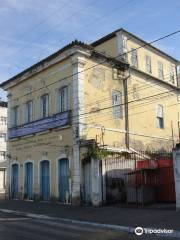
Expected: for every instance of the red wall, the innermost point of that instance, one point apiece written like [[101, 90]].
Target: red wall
[[162, 178]]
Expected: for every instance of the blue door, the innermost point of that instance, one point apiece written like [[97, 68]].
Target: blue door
[[63, 178], [45, 180], [14, 181], [29, 180]]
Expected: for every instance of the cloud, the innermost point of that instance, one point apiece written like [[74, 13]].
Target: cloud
[[34, 29]]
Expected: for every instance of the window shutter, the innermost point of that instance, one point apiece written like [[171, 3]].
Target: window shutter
[[15, 116], [40, 107], [59, 101], [63, 99], [172, 75], [148, 63], [30, 111], [134, 57], [26, 112], [124, 39], [47, 105], [116, 101], [12, 117], [159, 111], [160, 70]]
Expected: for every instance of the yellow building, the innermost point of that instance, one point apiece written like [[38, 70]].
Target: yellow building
[[153, 90], [80, 97]]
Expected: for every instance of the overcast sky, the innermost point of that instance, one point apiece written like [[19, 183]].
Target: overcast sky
[[33, 29]]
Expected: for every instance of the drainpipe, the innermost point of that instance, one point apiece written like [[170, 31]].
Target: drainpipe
[[126, 109], [177, 77]]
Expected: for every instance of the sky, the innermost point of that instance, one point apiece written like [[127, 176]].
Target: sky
[[33, 29]]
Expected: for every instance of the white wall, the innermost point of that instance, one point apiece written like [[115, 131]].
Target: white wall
[[3, 129]]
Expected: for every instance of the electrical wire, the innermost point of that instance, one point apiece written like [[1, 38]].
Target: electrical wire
[[93, 66]]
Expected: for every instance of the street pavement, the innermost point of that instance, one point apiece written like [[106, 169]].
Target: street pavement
[[13, 227], [21, 228], [144, 217], [33, 220]]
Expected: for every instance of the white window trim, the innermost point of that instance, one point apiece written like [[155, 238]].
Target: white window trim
[[134, 57], [148, 65], [26, 112], [59, 105], [120, 115], [13, 122], [47, 106], [161, 115]]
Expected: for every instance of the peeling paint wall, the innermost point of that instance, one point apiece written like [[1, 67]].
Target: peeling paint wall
[[99, 86], [143, 131]]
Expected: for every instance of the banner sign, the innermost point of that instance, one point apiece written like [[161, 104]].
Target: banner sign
[[57, 120]]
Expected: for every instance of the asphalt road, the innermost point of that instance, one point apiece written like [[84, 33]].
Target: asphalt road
[[13, 227]]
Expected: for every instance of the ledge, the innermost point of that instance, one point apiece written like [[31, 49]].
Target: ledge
[[40, 126]]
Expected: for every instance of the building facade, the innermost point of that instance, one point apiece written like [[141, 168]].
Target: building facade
[[3, 140], [153, 90], [81, 98]]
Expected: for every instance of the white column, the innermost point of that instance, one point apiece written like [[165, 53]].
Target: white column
[[96, 182], [78, 63], [176, 165]]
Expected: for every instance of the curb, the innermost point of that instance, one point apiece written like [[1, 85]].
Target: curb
[[175, 234]]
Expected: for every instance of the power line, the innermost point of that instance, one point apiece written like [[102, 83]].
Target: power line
[[107, 130], [110, 99], [105, 108], [133, 107], [69, 18], [131, 114], [42, 21], [101, 62], [60, 23], [141, 113], [142, 88]]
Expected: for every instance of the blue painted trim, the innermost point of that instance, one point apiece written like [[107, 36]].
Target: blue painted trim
[[57, 120]]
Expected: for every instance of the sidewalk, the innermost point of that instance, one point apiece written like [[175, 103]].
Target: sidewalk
[[152, 218]]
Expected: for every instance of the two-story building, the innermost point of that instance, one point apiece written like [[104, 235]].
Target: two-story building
[[48, 107], [153, 90], [119, 93], [3, 134]]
